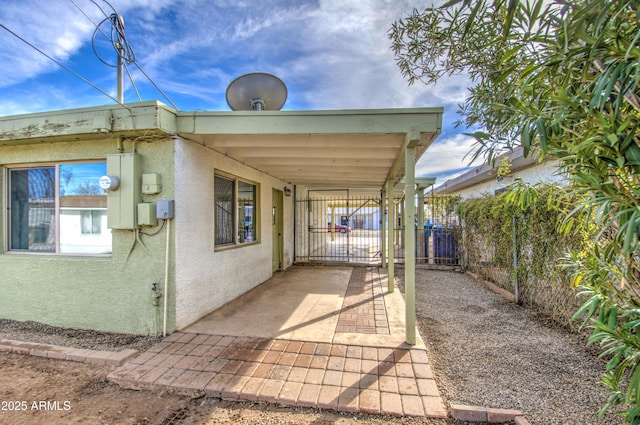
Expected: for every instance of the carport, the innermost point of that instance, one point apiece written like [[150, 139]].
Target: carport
[[362, 150]]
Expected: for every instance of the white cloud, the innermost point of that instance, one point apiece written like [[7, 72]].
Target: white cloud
[[445, 158], [57, 28], [45, 25], [349, 63], [331, 54]]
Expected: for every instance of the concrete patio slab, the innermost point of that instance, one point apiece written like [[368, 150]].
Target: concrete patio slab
[[298, 303], [305, 303], [291, 342]]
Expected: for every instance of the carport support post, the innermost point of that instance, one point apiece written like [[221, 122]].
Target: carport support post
[[410, 241], [390, 229], [420, 230], [383, 229]]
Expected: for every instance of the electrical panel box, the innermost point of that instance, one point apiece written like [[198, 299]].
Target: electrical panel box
[[151, 184], [122, 202], [147, 214], [165, 209]]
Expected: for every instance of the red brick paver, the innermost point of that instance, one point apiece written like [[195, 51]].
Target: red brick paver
[[363, 308], [298, 373]]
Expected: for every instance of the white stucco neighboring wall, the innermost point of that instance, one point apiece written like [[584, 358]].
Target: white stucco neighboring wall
[[206, 278], [544, 172]]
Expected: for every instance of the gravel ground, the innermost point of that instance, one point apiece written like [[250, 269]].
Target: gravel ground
[[487, 351], [78, 338], [484, 351]]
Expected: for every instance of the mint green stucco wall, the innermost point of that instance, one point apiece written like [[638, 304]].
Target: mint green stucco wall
[[102, 293]]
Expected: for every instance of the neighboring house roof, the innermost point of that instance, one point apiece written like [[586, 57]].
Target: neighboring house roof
[[339, 148], [486, 173]]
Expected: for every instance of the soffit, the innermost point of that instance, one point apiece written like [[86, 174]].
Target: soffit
[[318, 149], [352, 160]]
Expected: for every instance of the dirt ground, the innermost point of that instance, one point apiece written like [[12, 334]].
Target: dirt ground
[[484, 351], [38, 391]]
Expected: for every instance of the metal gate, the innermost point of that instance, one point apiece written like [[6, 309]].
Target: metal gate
[[437, 239], [332, 226]]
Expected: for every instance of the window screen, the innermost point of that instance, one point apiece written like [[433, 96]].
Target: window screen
[[235, 211], [224, 199]]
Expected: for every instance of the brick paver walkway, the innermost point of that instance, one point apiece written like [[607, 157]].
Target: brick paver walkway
[[363, 309], [350, 378]]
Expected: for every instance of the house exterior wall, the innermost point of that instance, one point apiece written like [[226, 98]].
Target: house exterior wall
[[207, 277], [546, 171], [109, 293]]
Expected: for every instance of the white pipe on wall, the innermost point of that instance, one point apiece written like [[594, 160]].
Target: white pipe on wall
[[166, 279]]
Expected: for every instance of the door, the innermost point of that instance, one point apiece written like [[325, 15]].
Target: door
[[276, 230]]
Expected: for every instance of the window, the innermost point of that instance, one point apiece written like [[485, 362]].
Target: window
[[58, 209], [235, 211]]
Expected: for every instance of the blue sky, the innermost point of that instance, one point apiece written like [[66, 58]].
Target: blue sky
[[332, 54]]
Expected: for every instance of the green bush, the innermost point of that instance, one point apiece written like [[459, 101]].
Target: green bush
[[541, 240]]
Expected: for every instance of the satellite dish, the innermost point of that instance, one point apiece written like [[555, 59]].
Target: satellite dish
[[256, 92]]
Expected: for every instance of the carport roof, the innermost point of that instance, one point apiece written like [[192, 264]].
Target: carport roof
[[319, 149]]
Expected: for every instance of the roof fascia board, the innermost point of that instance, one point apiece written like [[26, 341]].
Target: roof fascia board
[[87, 122], [354, 121]]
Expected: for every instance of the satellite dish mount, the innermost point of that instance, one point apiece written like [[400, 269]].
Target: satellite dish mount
[[257, 91], [258, 104]]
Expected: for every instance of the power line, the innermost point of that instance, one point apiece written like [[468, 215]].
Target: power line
[[89, 18], [66, 68], [126, 68], [121, 45], [155, 85], [103, 12]]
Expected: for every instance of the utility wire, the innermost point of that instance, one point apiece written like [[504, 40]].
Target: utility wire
[[66, 68], [156, 86], [103, 12], [99, 28], [133, 84], [89, 18], [121, 45], [119, 41]]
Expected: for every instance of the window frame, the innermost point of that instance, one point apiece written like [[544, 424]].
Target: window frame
[[6, 213], [236, 216]]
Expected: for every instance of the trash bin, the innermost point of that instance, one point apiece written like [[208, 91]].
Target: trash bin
[[445, 245], [427, 229]]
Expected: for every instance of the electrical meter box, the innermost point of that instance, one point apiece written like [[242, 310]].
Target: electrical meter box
[[122, 202]]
